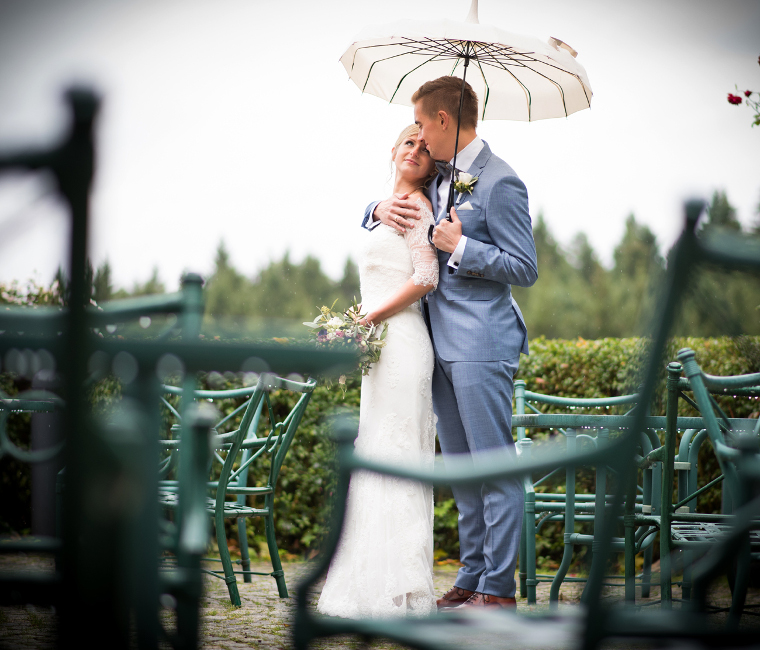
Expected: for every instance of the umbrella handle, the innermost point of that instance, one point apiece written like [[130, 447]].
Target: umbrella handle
[[450, 202]]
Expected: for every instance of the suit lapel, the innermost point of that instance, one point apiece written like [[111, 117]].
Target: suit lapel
[[476, 168], [480, 161]]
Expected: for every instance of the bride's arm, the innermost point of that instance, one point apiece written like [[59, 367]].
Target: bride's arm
[[425, 263], [408, 294]]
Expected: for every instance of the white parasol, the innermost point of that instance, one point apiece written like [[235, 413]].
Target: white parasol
[[515, 77]]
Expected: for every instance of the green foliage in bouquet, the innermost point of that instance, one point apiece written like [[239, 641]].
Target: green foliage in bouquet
[[341, 330]]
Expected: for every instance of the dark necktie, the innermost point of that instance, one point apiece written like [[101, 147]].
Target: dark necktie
[[442, 167]]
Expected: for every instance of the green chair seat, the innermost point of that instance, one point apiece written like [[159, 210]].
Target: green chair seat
[[231, 508]]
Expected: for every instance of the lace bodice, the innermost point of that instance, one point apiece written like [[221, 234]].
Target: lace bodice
[[390, 258]]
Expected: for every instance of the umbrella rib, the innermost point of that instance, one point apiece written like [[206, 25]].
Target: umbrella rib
[[442, 47], [365, 47], [406, 44], [540, 74], [524, 87], [488, 88], [550, 65], [557, 84], [388, 58], [527, 58], [407, 74]]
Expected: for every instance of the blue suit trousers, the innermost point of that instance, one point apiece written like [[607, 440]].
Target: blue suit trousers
[[473, 402]]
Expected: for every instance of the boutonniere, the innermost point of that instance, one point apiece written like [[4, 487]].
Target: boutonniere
[[464, 183]]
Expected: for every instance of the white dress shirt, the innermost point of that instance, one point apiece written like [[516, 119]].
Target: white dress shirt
[[465, 159]]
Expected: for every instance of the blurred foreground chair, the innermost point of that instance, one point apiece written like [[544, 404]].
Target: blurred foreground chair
[[106, 586], [255, 442], [588, 626], [682, 527]]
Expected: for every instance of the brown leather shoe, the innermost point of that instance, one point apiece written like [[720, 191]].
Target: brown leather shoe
[[487, 601], [454, 597]]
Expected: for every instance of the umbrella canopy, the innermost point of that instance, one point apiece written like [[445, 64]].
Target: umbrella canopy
[[515, 77]]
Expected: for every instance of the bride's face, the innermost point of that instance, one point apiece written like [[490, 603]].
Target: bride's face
[[412, 160]]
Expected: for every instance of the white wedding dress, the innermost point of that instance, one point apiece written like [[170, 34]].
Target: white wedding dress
[[383, 565]]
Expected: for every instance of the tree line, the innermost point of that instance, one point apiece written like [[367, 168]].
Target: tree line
[[575, 295]]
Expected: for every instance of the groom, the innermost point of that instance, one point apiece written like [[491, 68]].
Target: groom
[[476, 326]]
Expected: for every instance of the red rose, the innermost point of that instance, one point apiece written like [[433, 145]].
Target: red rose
[[734, 99], [747, 93]]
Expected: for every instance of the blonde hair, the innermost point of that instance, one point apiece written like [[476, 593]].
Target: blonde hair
[[411, 131]]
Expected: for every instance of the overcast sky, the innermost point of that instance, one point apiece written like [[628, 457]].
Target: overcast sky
[[233, 120]]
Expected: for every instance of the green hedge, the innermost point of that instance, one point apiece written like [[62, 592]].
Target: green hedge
[[570, 368], [574, 368]]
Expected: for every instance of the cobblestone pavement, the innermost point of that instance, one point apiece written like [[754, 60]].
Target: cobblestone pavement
[[263, 621]]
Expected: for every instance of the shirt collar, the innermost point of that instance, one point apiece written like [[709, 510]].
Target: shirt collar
[[467, 156]]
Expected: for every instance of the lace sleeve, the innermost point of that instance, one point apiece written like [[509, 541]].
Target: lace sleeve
[[424, 256]]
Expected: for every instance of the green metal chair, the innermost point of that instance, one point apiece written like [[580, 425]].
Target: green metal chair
[[255, 439], [681, 526], [641, 519], [572, 507]]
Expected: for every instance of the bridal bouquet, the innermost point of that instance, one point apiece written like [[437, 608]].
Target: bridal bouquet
[[341, 330]]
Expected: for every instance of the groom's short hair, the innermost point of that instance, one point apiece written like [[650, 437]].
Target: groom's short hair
[[443, 94]]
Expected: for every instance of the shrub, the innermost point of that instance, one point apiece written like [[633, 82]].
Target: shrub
[[570, 368]]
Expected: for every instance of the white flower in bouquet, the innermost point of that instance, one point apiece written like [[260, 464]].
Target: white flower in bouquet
[[339, 330]]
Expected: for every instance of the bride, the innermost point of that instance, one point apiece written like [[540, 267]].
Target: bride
[[383, 565]]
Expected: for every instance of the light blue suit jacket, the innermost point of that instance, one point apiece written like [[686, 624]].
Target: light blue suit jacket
[[472, 315]]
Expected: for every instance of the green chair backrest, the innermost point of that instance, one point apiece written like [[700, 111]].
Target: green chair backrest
[[718, 425], [245, 441]]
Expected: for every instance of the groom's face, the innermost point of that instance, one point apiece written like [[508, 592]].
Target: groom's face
[[433, 130]]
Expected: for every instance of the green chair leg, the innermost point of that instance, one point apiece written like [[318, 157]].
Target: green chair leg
[[245, 559], [567, 554], [630, 555], [529, 530], [688, 560], [740, 584], [521, 558], [528, 533], [229, 571], [646, 577], [278, 574]]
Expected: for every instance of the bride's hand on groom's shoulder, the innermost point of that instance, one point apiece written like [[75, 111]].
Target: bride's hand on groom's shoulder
[[398, 211]]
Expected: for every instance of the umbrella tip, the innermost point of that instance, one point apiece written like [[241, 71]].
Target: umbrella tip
[[557, 44], [472, 17]]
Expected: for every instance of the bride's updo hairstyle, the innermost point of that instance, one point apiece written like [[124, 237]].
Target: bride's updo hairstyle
[[411, 131]]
